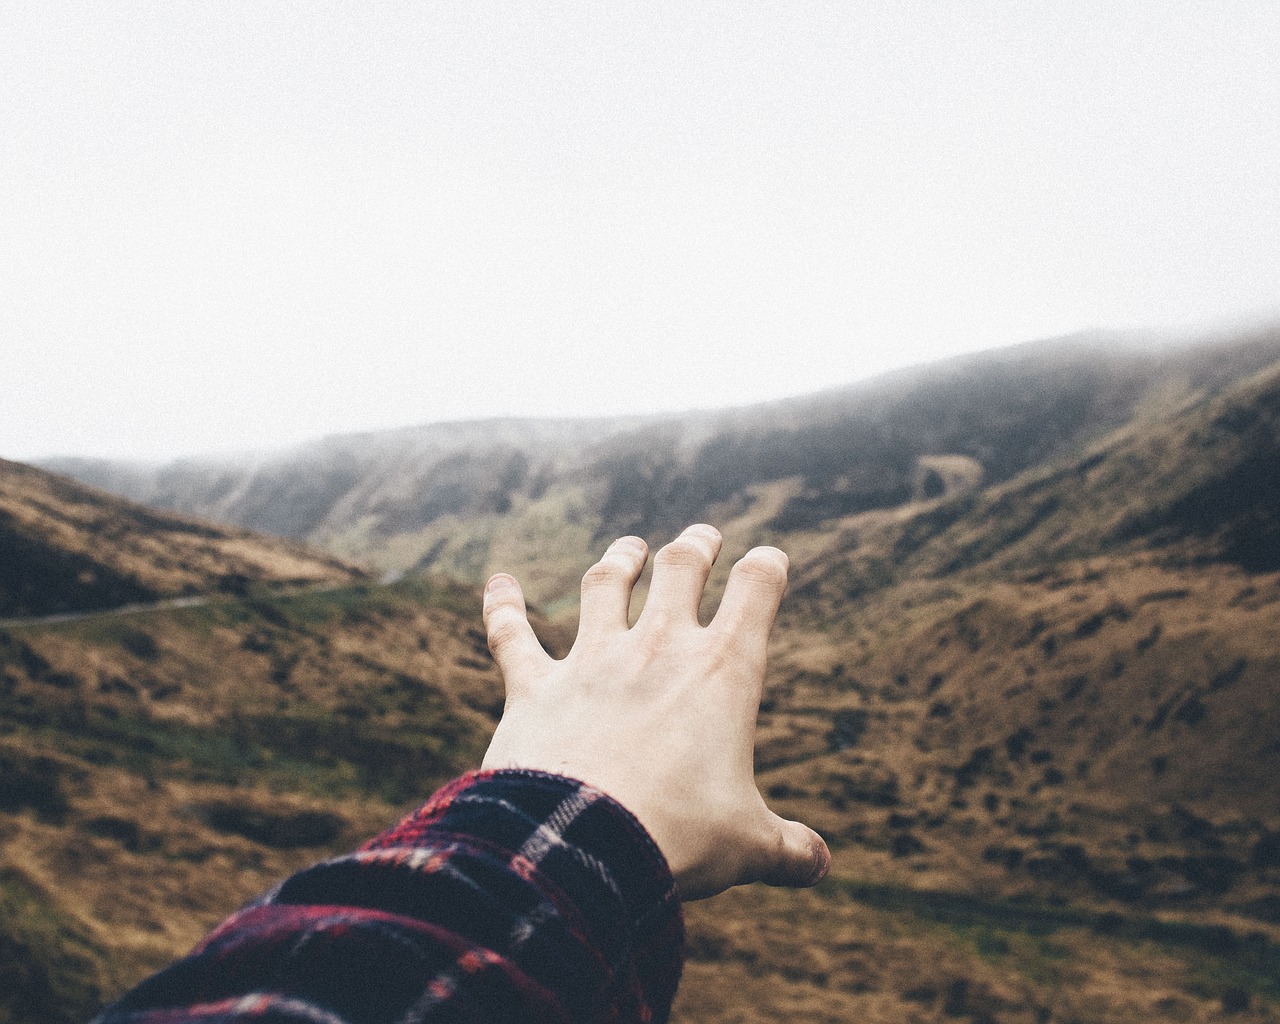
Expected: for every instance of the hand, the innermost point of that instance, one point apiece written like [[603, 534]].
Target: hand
[[661, 716]]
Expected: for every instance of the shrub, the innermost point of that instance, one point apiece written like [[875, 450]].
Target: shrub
[[121, 830], [1015, 744], [904, 844], [283, 830], [979, 761], [1229, 676], [1191, 711], [30, 781], [847, 728], [139, 643], [956, 1003], [1266, 851]]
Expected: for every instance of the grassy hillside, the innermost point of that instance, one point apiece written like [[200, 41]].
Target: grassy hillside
[[162, 767], [1036, 715], [66, 547], [157, 769], [1038, 726]]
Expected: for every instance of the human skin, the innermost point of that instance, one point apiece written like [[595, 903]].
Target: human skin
[[661, 715]]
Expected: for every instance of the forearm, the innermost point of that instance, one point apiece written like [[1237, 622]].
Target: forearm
[[507, 896]]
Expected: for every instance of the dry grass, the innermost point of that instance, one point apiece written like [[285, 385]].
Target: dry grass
[[1039, 739], [67, 547]]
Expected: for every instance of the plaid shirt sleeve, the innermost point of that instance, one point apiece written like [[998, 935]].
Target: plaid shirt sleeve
[[508, 896]]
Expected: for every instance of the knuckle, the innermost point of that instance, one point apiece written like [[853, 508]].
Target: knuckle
[[503, 634], [603, 573], [683, 553], [758, 567]]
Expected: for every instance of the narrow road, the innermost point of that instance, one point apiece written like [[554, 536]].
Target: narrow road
[[124, 609], [191, 601]]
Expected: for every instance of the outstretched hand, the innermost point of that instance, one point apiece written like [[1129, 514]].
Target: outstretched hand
[[660, 715]]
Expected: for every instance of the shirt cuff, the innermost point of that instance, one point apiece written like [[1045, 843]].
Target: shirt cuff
[[595, 871]]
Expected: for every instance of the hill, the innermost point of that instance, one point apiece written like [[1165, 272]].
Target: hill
[[66, 547], [538, 497], [112, 724], [161, 763], [1035, 715], [157, 768], [1049, 708], [1110, 619]]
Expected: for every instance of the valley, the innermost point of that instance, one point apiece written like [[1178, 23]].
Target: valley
[[1026, 682]]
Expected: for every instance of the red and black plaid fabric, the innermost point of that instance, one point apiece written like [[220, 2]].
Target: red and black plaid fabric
[[508, 896]]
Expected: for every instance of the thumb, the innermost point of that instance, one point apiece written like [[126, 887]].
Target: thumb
[[799, 858], [511, 638]]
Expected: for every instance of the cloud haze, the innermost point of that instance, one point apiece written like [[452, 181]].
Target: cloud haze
[[230, 225]]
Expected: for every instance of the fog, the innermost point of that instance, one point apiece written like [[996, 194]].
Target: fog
[[240, 225]]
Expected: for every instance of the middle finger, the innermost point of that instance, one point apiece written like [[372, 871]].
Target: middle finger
[[680, 571]]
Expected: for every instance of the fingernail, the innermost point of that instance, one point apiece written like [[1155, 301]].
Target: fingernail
[[634, 543], [499, 582], [821, 864]]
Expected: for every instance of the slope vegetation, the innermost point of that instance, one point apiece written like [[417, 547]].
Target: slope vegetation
[[66, 547], [1038, 725], [158, 768]]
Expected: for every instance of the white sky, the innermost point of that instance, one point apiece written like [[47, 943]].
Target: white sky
[[242, 224]]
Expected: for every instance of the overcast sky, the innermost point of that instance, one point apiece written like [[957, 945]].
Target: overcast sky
[[228, 225]]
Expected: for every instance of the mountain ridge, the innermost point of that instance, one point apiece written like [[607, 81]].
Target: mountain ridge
[[440, 496]]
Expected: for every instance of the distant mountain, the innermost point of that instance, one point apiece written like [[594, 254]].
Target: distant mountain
[[403, 478], [469, 498], [67, 547], [1198, 484]]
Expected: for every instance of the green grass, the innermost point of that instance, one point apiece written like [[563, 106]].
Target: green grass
[[1019, 934], [307, 748], [303, 608], [316, 754], [50, 971]]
